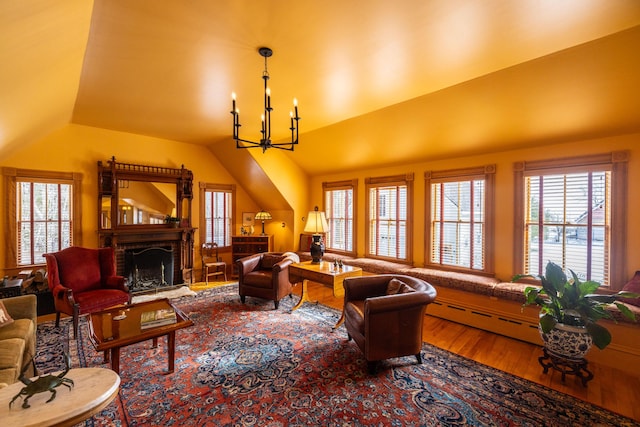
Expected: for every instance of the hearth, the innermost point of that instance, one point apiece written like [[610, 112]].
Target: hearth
[[148, 269]]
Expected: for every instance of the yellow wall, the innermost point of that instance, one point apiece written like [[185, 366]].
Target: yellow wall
[[78, 149], [504, 209]]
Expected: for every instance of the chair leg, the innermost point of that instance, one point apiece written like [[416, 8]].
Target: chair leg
[[242, 298], [57, 319], [371, 366], [419, 358], [276, 303], [76, 317]]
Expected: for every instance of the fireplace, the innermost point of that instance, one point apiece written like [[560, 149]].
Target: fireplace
[[173, 245], [148, 269]]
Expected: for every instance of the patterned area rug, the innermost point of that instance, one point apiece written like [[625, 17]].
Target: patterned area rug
[[250, 365]]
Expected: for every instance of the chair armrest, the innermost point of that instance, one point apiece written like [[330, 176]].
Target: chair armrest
[[117, 282], [396, 302], [22, 307], [248, 264], [361, 288], [61, 292], [282, 265]]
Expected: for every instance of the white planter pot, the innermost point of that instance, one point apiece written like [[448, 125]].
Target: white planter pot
[[572, 342]]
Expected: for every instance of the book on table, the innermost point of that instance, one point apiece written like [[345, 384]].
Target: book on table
[[161, 317]]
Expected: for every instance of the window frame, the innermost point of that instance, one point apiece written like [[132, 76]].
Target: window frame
[[343, 185], [11, 177], [386, 181], [485, 173], [223, 188], [617, 163]]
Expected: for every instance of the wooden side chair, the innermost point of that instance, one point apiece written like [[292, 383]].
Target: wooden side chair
[[212, 264]]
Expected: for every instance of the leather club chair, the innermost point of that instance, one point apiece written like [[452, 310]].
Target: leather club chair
[[83, 281], [264, 275], [384, 315]]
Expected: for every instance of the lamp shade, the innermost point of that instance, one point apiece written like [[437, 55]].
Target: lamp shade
[[262, 215], [316, 222]]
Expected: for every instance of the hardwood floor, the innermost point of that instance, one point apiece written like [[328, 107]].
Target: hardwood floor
[[610, 388]]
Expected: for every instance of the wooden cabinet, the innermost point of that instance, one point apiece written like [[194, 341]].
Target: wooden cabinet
[[242, 246]]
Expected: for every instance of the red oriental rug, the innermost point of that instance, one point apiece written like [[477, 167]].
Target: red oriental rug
[[250, 365]]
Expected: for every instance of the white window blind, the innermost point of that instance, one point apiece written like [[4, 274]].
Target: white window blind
[[44, 219], [340, 217], [388, 221], [457, 223], [568, 221], [218, 217]]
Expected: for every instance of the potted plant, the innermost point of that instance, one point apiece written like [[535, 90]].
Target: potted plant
[[172, 220], [570, 310]]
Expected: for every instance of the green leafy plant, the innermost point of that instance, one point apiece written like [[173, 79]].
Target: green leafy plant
[[574, 302], [169, 219]]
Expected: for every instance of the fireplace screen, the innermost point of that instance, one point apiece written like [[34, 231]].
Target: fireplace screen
[[148, 269]]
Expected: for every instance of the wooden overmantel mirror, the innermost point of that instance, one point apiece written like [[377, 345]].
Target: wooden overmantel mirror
[[132, 195], [142, 207]]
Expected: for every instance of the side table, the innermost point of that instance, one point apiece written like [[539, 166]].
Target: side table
[[12, 288], [93, 390]]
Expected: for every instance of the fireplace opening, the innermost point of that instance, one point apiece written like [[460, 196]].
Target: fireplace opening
[[148, 269]]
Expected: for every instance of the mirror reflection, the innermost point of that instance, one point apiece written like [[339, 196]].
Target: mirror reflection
[[142, 202]]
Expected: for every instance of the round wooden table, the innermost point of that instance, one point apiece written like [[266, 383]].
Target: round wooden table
[[93, 390]]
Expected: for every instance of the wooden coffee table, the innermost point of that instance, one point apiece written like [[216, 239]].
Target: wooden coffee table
[[93, 390], [109, 334], [323, 273]]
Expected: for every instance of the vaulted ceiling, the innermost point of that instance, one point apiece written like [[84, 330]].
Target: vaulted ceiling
[[435, 78]]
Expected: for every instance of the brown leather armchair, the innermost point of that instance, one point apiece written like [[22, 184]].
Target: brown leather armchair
[[384, 315], [264, 275], [83, 280]]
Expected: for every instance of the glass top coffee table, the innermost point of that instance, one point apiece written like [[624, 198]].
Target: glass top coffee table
[[119, 327]]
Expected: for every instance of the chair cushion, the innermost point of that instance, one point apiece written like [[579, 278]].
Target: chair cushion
[[258, 279], [11, 352], [394, 285], [269, 260], [5, 317], [99, 299], [633, 285], [21, 328]]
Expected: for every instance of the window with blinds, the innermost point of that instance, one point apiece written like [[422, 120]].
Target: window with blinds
[[574, 213], [44, 219], [217, 209], [389, 225], [457, 207], [340, 213], [568, 221], [457, 223]]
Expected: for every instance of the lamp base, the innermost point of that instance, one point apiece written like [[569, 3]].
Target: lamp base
[[316, 249]]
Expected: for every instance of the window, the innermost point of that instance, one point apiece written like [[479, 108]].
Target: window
[[569, 208], [389, 203], [217, 208], [460, 230], [43, 213], [340, 209]]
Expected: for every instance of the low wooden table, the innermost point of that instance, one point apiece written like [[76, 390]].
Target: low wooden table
[[323, 273], [109, 334], [93, 390]]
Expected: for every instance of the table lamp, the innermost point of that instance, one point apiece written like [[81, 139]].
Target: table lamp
[[316, 224], [262, 216]]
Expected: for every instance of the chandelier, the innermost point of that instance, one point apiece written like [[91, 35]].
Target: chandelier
[[265, 139]]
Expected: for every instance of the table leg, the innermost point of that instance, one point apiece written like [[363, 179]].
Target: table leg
[[304, 296], [171, 349], [154, 342], [115, 360], [340, 321]]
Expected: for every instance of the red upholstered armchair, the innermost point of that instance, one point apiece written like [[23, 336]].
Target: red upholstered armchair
[[264, 275], [384, 315], [83, 280]]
